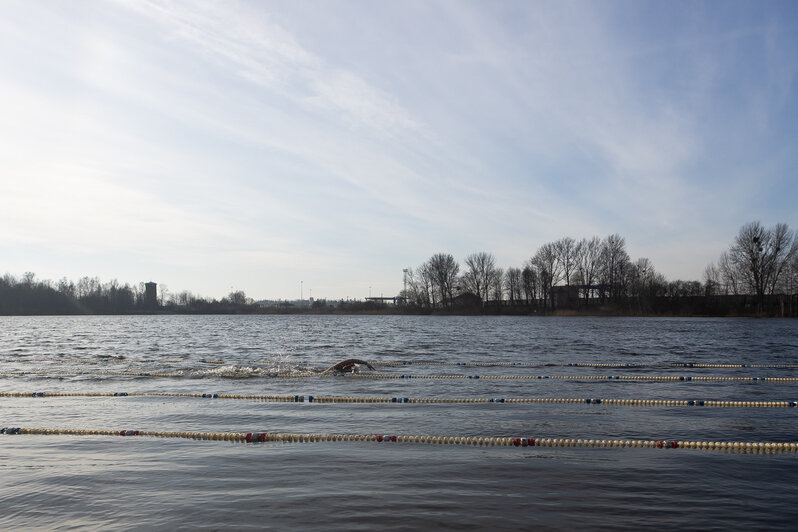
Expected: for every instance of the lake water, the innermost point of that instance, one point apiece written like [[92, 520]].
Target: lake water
[[123, 483]]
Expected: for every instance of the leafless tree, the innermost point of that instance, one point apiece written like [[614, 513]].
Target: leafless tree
[[186, 298], [479, 269], [163, 295], [513, 284], [548, 269], [238, 297], [792, 276], [587, 264], [567, 252], [419, 286], [66, 287], [444, 270], [730, 276], [614, 266], [712, 282], [760, 257], [529, 279], [496, 286], [642, 273]]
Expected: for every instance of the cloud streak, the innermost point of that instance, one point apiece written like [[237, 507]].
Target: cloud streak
[[340, 143]]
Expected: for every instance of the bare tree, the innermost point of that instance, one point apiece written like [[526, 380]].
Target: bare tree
[[792, 277], [730, 275], [163, 295], [567, 252], [479, 269], [548, 269], [66, 287], [496, 292], [529, 279], [513, 284], [444, 270], [238, 297], [419, 286], [587, 264], [642, 274], [614, 266], [761, 255], [711, 280], [427, 285]]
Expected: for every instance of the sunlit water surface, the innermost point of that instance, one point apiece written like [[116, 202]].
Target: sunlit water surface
[[73, 482]]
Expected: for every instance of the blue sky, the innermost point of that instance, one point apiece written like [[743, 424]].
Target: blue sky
[[259, 145]]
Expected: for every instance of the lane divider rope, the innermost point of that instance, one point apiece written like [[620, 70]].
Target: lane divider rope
[[262, 437], [577, 364], [486, 364], [656, 378], [424, 400]]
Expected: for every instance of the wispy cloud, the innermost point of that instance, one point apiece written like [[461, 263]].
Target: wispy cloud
[[272, 140]]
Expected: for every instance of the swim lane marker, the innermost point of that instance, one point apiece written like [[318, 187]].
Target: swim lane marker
[[263, 437], [422, 400]]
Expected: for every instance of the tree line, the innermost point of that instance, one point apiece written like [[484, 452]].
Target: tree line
[[761, 262], [758, 273], [595, 272], [28, 295]]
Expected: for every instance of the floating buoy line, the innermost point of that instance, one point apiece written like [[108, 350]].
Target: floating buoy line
[[256, 437], [263, 437], [287, 398], [400, 363], [656, 378]]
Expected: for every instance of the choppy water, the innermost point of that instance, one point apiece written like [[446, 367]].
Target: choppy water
[[73, 482]]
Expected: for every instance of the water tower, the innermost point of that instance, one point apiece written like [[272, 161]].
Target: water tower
[[151, 295]]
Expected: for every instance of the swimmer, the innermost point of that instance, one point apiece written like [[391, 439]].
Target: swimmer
[[348, 365]]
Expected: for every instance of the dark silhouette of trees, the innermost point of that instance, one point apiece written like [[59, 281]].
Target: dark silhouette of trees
[[27, 296], [497, 285], [759, 262], [480, 268], [588, 265], [529, 283], [615, 264], [567, 253], [547, 265], [419, 287], [513, 281], [757, 274], [443, 270]]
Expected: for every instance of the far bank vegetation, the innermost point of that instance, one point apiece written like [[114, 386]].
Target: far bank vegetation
[[757, 275]]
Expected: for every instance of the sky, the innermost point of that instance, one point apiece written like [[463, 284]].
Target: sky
[[306, 148]]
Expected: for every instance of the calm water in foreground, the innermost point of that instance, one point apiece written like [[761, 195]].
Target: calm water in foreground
[[115, 483]]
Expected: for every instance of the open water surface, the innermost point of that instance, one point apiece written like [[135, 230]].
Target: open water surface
[[122, 483]]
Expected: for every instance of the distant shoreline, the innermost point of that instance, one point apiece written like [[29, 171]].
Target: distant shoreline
[[557, 313]]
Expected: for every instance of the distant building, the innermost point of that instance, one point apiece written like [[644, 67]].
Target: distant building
[[565, 296], [151, 295]]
